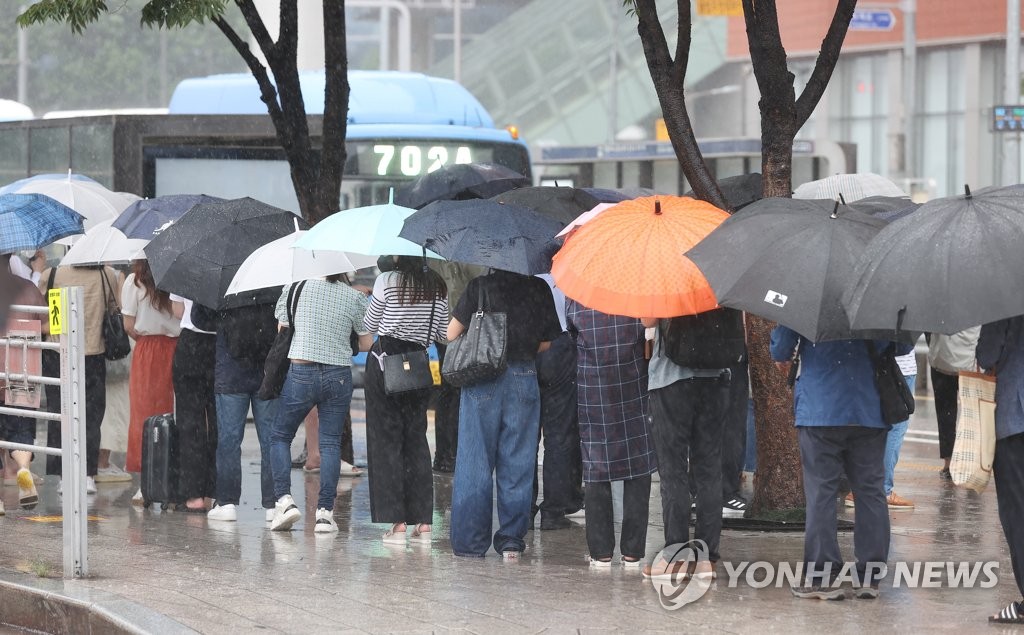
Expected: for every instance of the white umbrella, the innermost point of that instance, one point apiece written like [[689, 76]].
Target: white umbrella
[[852, 187], [104, 244], [583, 219], [278, 263], [90, 199]]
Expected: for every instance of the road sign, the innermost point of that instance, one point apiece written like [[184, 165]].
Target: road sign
[[55, 298], [872, 20], [1008, 118]]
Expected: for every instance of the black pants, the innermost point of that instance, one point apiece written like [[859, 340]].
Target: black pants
[[946, 389], [398, 456], [446, 421], [560, 426], [1008, 470], [687, 417], [734, 434], [95, 408], [636, 496], [195, 413], [826, 452]]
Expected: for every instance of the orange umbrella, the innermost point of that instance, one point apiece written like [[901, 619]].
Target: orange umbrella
[[629, 260]]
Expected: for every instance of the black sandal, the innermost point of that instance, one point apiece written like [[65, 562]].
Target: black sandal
[[1009, 615]]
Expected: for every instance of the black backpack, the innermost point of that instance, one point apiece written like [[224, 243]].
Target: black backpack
[[713, 339], [249, 331]]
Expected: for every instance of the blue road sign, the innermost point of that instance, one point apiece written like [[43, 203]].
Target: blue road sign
[[872, 20]]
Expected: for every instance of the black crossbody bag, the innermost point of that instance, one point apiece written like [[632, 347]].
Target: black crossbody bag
[[405, 372], [275, 369]]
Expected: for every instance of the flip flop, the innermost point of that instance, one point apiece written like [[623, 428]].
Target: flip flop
[[1009, 615], [350, 471]]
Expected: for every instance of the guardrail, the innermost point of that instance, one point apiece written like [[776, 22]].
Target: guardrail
[[71, 417]]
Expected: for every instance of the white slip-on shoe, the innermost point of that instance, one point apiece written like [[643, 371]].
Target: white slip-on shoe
[[324, 521], [286, 514], [112, 474], [227, 513], [270, 515], [90, 485]]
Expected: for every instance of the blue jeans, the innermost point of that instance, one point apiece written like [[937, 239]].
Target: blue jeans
[[329, 388], [499, 422], [232, 409], [894, 441]]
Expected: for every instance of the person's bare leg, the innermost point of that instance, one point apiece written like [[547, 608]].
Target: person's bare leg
[[104, 459], [21, 460], [10, 465], [312, 424]]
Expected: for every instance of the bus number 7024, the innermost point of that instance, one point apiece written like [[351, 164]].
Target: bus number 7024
[[410, 158]]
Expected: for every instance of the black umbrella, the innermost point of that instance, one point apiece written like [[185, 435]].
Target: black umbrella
[[563, 204], [460, 181], [486, 233], [148, 217], [787, 260], [739, 191], [954, 263], [197, 256], [888, 208], [617, 195]]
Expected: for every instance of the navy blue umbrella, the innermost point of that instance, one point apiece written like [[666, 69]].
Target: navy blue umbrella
[[487, 233], [147, 217], [460, 181], [31, 221]]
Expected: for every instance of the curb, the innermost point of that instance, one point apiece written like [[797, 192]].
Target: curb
[[59, 606]]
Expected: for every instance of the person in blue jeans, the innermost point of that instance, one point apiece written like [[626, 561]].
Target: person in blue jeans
[[325, 312], [499, 419]]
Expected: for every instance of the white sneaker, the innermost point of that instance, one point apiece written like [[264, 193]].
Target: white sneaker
[[286, 514], [112, 474], [226, 513], [270, 515], [325, 521], [2, 511], [90, 485]]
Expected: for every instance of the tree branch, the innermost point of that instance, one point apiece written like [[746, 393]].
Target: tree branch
[[268, 94], [655, 45], [828, 56], [683, 37], [288, 33], [258, 28], [335, 121]]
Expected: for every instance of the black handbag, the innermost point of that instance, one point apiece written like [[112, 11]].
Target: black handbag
[[478, 355], [405, 372], [275, 369], [115, 338], [893, 393]]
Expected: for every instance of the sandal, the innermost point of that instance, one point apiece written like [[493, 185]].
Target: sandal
[[419, 536], [350, 471], [1009, 615], [392, 537]]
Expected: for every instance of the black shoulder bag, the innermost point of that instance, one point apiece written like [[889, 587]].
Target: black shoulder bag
[[275, 369], [479, 354], [115, 338], [893, 393], [405, 372]]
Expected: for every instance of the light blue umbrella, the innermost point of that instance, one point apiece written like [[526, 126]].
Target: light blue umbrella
[[371, 230], [12, 188], [31, 221]]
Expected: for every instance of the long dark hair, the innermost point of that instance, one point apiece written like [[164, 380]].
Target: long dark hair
[[161, 300], [418, 283]]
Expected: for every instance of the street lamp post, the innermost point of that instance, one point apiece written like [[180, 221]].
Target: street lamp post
[[1011, 92]]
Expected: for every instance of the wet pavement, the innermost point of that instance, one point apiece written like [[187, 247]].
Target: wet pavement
[[217, 577]]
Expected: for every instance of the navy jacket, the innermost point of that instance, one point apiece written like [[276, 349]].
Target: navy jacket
[[1001, 348]]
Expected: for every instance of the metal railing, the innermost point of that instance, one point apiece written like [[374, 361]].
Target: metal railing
[[71, 417]]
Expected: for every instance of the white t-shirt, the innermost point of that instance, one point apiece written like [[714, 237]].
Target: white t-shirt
[[148, 319], [186, 318]]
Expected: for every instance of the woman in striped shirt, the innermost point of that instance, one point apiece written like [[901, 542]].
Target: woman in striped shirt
[[408, 310]]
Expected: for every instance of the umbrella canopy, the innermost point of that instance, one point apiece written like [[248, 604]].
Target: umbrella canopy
[[563, 204], [90, 199], [461, 181], [851, 187], [788, 260], [145, 218], [103, 244], [372, 230], [31, 221], [618, 195], [487, 233], [10, 188], [739, 191], [629, 260], [584, 218], [888, 208], [952, 264], [198, 256], [278, 263]]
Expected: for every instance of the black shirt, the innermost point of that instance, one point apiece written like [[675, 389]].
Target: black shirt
[[527, 303]]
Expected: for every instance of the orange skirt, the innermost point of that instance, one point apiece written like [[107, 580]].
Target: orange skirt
[[150, 389]]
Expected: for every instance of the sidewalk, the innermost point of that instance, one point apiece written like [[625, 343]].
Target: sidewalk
[[239, 577]]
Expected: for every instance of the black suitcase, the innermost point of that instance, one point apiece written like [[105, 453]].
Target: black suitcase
[[159, 461]]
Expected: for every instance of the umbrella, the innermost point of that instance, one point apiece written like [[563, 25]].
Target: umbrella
[[584, 218], [852, 187], [629, 260], [103, 244], [613, 195], [563, 204], [11, 188], [198, 256], [372, 230], [739, 191], [487, 233], [145, 218], [278, 263], [31, 221], [461, 181], [787, 260], [952, 264], [90, 199]]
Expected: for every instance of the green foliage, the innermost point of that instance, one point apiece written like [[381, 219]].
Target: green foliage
[[77, 14], [630, 6], [180, 13]]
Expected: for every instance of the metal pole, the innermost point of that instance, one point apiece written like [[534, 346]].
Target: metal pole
[[457, 38], [73, 463], [385, 38], [613, 76], [1011, 92], [22, 62], [909, 88]]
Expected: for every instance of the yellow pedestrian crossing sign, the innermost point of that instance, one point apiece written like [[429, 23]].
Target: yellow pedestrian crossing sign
[[56, 302]]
